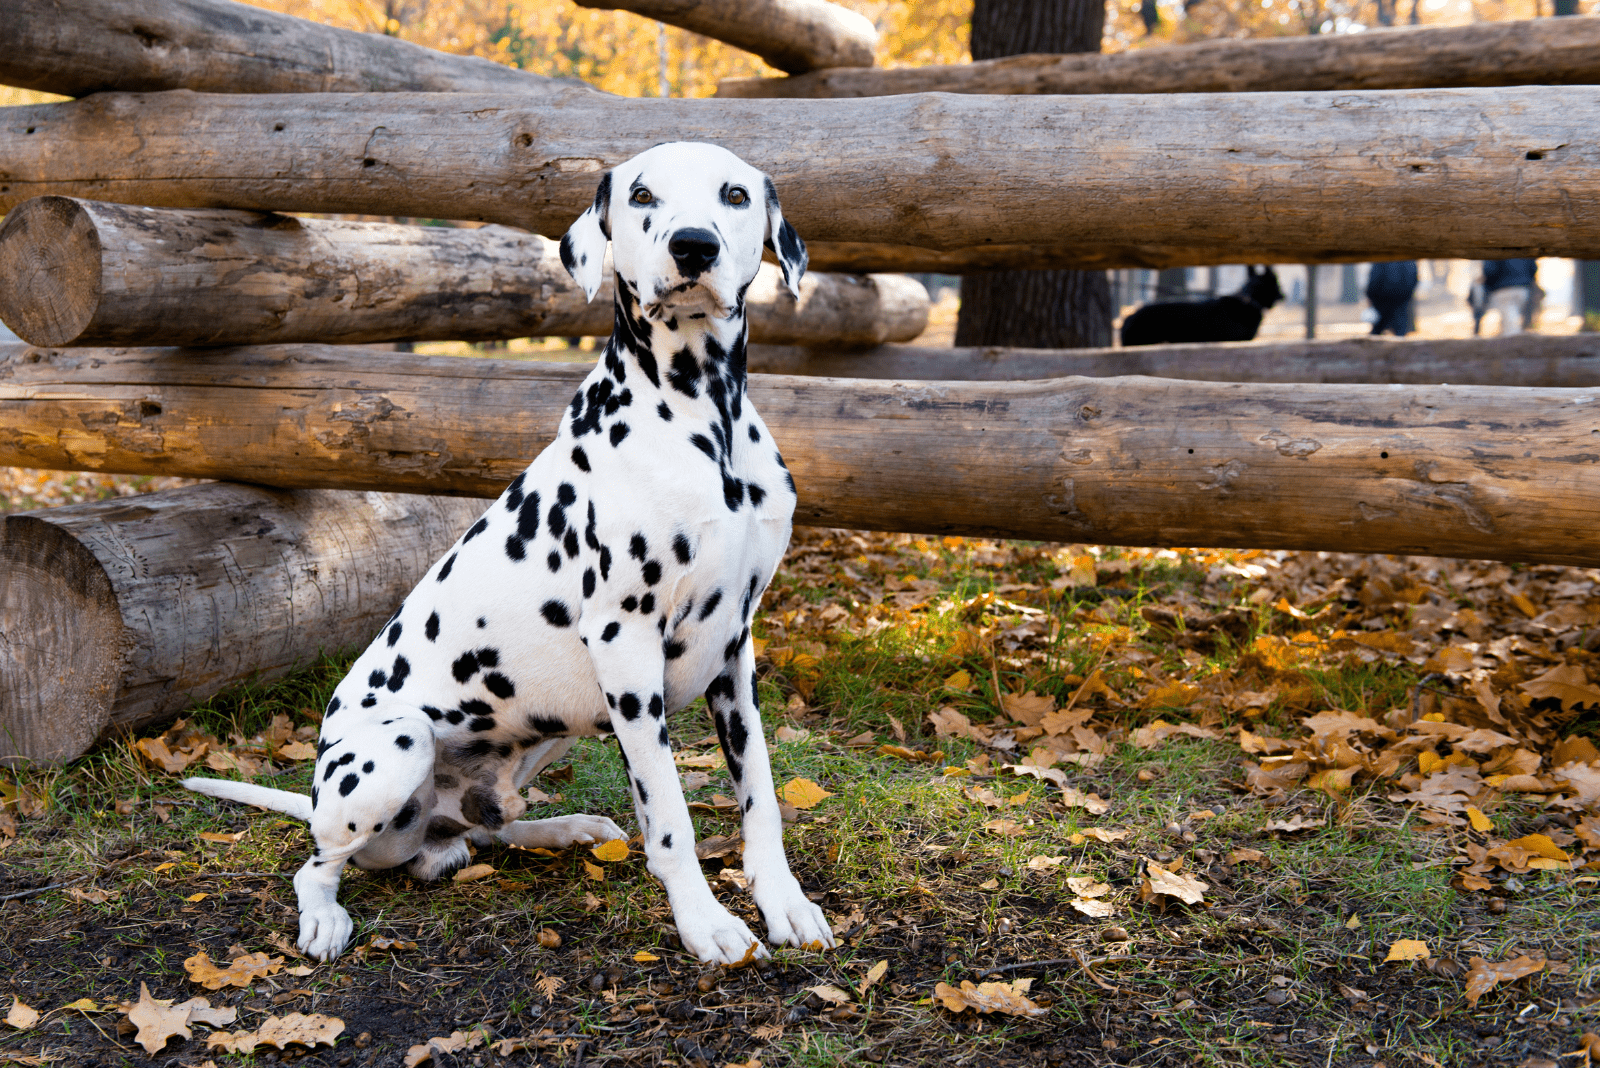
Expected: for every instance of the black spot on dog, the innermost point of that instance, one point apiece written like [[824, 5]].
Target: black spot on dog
[[680, 548], [553, 561], [556, 521], [619, 431], [664, 412], [482, 622], [671, 650], [710, 605], [394, 635], [430, 630], [749, 596], [333, 706], [548, 726], [605, 561], [454, 716], [432, 713], [465, 666], [444, 572], [481, 723], [749, 803], [528, 518], [755, 435], [473, 531], [732, 492], [630, 603], [703, 443], [731, 650], [407, 815], [368, 701], [604, 726], [757, 494], [514, 549], [499, 685], [351, 826], [652, 572], [514, 491], [555, 614], [644, 795], [580, 459], [664, 738], [367, 767], [403, 741], [611, 631], [657, 707], [647, 604], [480, 805], [348, 783], [638, 548], [666, 841], [588, 582], [566, 495], [570, 542], [377, 678], [685, 373], [398, 673]]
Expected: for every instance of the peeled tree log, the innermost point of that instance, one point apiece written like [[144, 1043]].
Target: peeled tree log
[[793, 35], [1262, 177], [1468, 471], [1524, 360], [87, 273], [120, 613], [1524, 52], [216, 46]]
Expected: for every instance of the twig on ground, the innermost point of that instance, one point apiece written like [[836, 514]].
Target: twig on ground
[[42, 889]]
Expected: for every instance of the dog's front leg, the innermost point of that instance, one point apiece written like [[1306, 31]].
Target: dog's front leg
[[792, 918], [325, 926], [631, 675]]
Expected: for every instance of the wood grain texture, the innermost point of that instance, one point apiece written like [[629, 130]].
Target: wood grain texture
[[1525, 360], [141, 606], [216, 46], [793, 35], [1470, 471], [1525, 52], [89, 273], [1263, 177]]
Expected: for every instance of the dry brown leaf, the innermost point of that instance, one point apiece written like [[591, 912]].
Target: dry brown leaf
[[222, 837], [1408, 949], [21, 1016], [297, 751], [157, 1020], [830, 993], [1044, 863], [1296, 823], [790, 734], [803, 793], [1087, 886], [241, 971], [1483, 977], [916, 755], [987, 997], [1150, 736], [454, 1043], [1093, 907], [1008, 828], [874, 976], [1158, 880], [1028, 709], [94, 897], [1566, 683], [157, 755], [1102, 834]]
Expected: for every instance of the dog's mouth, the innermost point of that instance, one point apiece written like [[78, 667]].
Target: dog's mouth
[[686, 297]]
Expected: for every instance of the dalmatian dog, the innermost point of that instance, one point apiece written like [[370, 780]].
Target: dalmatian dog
[[612, 582]]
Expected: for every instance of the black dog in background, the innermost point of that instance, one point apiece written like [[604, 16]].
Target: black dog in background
[[1235, 317]]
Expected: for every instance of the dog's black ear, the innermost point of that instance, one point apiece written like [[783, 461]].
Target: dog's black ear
[[784, 242], [583, 248]]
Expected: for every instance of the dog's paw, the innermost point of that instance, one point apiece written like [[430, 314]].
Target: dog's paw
[[792, 918], [324, 931], [561, 832], [717, 936]]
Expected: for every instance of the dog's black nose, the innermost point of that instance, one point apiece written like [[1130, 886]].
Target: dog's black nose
[[693, 250]]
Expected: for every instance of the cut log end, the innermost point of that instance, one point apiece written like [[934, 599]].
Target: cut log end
[[61, 644], [50, 258]]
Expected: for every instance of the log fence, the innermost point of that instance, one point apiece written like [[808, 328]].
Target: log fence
[[204, 122]]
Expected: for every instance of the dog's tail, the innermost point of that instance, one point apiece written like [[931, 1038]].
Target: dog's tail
[[296, 805]]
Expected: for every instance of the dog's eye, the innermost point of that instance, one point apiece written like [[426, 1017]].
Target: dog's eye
[[642, 196], [737, 196]]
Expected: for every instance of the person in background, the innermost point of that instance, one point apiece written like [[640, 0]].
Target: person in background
[[1508, 289], [1392, 287]]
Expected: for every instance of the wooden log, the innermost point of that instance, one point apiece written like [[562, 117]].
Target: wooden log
[[1469, 471], [793, 35], [1524, 52], [87, 273], [1259, 177], [120, 613], [1525, 360], [216, 46]]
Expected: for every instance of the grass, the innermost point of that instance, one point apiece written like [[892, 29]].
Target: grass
[[1282, 963]]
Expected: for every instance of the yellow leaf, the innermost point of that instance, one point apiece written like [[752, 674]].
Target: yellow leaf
[[82, 1005], [201, 896], [241, 971], [987, 997], [163, 867], [914, 755], [218, 836], [1483, 977], [1185, 888], [1353, 922], [21, 1016], [473, 873], [297, 751], [803, 793], [961, 680], [157, 1020], [645, 958], [594, 871], [1540, 845], [1408, 949], [874, 975], [830, 993], [1044, 863], [302, 1029], [1480, 822], [612, 851], [1009, 828]]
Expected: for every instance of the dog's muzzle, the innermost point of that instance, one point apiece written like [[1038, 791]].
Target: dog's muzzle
[[693, 249]]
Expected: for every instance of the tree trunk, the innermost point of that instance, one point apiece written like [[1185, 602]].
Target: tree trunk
[[81, 272], [1467, 471], [1243, 177], [1037, 309], [1571, 361], [793, 35], [120, 613], [217, 46]]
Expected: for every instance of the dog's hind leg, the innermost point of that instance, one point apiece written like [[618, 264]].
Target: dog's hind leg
[[792, 919]]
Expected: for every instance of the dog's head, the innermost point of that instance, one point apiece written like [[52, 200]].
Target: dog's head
[[1262, 286], [686, 223]]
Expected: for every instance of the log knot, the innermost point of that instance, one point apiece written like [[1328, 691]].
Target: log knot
[[1290, 446]]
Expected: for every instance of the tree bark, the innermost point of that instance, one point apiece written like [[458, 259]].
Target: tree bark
[[119, 613], [793, 35], [1037, 309], [1571, 361], [1248, 178], [1465, 471], [216, 46], [88, 273], [1525, 52]]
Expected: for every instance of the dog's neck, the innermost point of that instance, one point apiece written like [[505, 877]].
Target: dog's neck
[[693, 358]]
